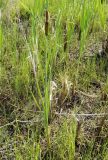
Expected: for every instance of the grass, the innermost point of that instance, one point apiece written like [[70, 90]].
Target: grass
[[53, 71]]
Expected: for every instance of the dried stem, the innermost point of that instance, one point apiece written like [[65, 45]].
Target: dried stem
[[79, 124]]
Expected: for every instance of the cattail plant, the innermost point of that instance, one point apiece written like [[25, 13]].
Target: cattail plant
[[46, 22], [46, 19]]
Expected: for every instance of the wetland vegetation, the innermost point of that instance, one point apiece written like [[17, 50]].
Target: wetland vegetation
[[53, 79]]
